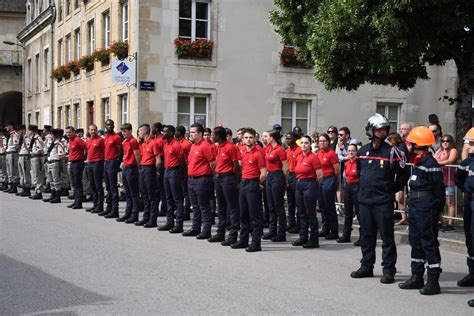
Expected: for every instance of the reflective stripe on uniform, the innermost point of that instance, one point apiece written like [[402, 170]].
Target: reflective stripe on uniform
[[418, 260], [470, 258], [463, 167], [429, 169], [434, 265], [378, 158]]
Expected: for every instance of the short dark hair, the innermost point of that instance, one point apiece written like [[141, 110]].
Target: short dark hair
[[208, 130], [228, 131], [126, 126], [181, 129], [157, 125], [326, 136], [146, 126], [221, 132], [110, 120], [308, 137], [249, 130], [345, 130], [199, 127], [71, 128], [170, 128]]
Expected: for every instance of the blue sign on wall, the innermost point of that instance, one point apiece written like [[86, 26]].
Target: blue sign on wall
[[147, 86]]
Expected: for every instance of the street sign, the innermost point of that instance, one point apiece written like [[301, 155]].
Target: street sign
[[147, 85], [123, 71]]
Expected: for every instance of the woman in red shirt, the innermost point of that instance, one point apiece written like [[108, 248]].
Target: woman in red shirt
[[308, 172], [328, 188], [277, 169], [351, 189]]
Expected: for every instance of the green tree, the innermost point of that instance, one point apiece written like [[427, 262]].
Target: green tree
[[386, 42]]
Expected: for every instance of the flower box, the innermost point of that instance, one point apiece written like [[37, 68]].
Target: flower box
[[73, 67], [119, 49], [57, 74], [102, 55], [87, 63], [197, 49], [289, 58]]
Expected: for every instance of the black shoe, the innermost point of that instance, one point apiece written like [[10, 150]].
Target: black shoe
[[332, 236], [64, 192], [362, 273], [56, 199], [71, 197], [141, 223], [470, 303], [105, 212], [416, 282], [299, 242], [312, 243], [279, 238], [13, 189], [323, 233], [97, 210], [48, 189], [467, 281], [53, 193], [432, 286], [228, 242], [357, 243], [216, 238], [387, 278], [294, 230], [165, 227], [204, 235], [190, 233], [344, 239], [132, 220], [268, 236], [253, 248], [26, 193], [77, 207], [70, 205], [123, 218], [240, 245], [90, 209], [176, 230], [113, 214], [150, 225], [37, 196]]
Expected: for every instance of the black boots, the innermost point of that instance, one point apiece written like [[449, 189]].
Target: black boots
[[26, 192], [468, 280], [432, 285], [53, 193], [57, 197], [416, 282], [37, 196], [13, 188]]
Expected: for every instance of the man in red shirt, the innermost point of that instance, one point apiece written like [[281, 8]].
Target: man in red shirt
[[201, 163], [131, 159], [156, 132], [113, 155], [292, 153], [95, 169], [76, 157], [227, 181], [173, 163], [149, 164], [180, 136], [254, 174]]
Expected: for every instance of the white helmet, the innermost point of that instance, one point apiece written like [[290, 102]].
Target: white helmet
[[376, 121]]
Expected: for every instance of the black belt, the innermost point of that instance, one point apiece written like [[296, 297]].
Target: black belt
[[11, 153], [225, 174], [307, 179], [131, 166], [147, 166], [72, 161], [3, 154], [256, 179], [420, 194], [203, 176], [173, 168]]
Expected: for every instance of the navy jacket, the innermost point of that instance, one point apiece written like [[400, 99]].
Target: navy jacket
[[464, 177], [380, 174]]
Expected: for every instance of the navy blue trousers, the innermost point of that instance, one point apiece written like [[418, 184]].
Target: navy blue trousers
[[251, 214], [291, 199], [174, 196], [130, 183], [227, 194], [306, 195], [351, 203], [275, 189], [199, 195], [327, 204], [111, 169], [468, 217], [147, 180], [76, 170], [373, 219], [95, 172]]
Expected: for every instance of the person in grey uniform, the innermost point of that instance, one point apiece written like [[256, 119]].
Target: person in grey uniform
[[47, 140], [24, 166], [13, 146], [56, 157], [3, 160], [36, 150]]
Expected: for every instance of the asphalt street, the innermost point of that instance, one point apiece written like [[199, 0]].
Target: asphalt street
[[54, 260]]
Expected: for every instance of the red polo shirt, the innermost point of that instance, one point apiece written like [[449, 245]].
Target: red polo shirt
[[173, 151], [159, 144], [274, 157], [292, 154], [350, 169], [327, 159], [252, 162], [113, 143], [76, 149], [129, 146], [149, 150], [306, 166], [200, 156], [186, 144], [227, 154], [95, 148]]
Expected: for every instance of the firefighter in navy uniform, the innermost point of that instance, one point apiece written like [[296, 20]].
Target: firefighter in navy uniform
[[427, 199], [381, 176], [464, 179]]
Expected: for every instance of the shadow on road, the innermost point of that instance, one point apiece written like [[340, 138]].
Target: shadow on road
[[27, 289]]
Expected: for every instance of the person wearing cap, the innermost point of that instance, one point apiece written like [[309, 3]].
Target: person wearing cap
[[56, 156], [113, 156], [3, 160], [131, 160], [427, 199], [77, 147], [180, 136], [13, 146], [95, 170], [36, 151], [201, 162], [47, 140], [173, 162], [24, 166], [380, 176], [464, 179]]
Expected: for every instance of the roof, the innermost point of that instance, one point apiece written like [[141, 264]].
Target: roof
[[13, 6]]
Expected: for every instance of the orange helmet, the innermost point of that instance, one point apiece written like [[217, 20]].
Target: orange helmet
[[470, 135], [421, 136]]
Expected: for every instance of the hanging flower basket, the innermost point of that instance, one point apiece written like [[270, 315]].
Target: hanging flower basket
[[102, 55], [119, 49], [289, 58], [87, 63], [73, 67], [200, 48]]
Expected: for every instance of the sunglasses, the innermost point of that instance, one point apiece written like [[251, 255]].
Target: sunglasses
[[342, 135], [445, 141], [435, 131], [330, 132]]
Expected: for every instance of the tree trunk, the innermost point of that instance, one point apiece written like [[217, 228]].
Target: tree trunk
[[464, 111]]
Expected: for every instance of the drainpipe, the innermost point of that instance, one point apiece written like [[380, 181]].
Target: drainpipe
[[137, 60], [51, 49]]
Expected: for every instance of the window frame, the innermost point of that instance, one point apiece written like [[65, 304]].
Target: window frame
[[295, 118], [125, 22], [124, 115], [77, 43], [68, 48], [106, 31], [106, 108], [194, 20], [46, 67], [91, 36], [386, 106], [77, 114], [192, 110], [30, 75], [36, 76], [60, 53]]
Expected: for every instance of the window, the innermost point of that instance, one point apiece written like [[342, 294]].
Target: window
[[106, 29], [77, 112], [391, 111], [295, 113], [125, 21], [37, 118], [77, 45], [60, 10], [60, 52], [67, 6], [124, 108], [91, 36], [194, 19], [29, 118], [46, 67], [106, 108], [36, 77], [192, 109], [76, 4], [29, 70], [68, 52], [59, 117]]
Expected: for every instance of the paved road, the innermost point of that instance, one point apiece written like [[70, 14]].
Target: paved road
[[57, 260]]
